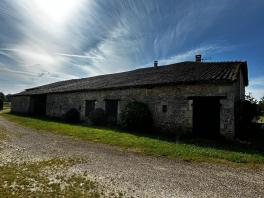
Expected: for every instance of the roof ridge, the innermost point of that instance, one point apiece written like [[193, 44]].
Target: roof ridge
[[183, 72]]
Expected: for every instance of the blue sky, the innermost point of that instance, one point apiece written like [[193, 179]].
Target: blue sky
[[47, 41]]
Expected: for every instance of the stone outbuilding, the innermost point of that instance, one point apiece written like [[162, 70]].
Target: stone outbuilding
[[188, 97]]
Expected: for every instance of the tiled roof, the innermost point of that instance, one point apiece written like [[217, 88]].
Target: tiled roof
[[178, 73]]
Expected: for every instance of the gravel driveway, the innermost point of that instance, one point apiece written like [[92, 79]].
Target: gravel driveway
[[133, 174]]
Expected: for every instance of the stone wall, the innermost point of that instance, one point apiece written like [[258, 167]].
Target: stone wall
[[20, 104], [179, 109]]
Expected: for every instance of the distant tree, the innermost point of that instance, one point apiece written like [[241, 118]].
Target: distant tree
[[261, 104], [252, 109], [8, 98], [250, 98], [248, 109], [2, 96]]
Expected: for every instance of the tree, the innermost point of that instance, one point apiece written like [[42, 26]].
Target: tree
[[261, 104], [247, 110], [2, 96], [251, 107], [250, 98], [8, 97]]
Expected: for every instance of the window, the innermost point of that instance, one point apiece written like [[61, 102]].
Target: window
[[164, 108], [89, 106]]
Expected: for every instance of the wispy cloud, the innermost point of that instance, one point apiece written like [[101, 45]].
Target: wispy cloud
[[51, 40]]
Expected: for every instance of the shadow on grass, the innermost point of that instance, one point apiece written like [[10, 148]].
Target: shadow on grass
[[252, 145]]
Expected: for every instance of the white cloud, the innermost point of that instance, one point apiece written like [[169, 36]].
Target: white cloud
[[256, 87], [76, 38]]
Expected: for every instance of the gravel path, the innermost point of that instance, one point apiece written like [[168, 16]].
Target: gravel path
[[133, 174]]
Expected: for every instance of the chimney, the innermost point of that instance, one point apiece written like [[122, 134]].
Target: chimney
[[198, 58], [155, 63]]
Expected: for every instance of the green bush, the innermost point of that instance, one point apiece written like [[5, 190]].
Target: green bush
[[98, 117], [72, 116], [136, 115]]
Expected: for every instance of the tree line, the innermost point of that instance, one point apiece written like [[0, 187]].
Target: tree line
[[261, 104], [258, 104], [5, 98]]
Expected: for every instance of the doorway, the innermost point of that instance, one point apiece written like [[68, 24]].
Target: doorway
[[38, 105], [111, 111], [206, 117]]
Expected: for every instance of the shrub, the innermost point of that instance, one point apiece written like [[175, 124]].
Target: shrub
[[247, 111], [72, 116], [261, 105], [136, 115], [97, 117]]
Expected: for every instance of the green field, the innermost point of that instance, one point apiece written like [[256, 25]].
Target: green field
[[194, 150]]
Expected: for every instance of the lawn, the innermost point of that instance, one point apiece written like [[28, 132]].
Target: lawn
[[194, 150]]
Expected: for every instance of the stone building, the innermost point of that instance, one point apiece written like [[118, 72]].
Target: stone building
[[188, 97]]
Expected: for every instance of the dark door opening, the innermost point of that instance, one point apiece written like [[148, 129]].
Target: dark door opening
[[89, 107], [111, 108], [206, 117], [38, 105]]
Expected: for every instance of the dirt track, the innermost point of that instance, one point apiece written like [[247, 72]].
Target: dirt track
[[133, 174]]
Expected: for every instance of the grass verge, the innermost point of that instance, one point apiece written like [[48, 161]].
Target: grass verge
[[193, 150]]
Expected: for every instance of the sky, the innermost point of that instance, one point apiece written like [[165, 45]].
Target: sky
[[44, 41]]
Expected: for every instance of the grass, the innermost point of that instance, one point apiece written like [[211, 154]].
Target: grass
[[261, 119], [45, 179], [6, 107], [194, 150]]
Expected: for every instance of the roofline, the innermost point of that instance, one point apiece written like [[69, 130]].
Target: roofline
[[241, 64], [140, 68], [135, 86]]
